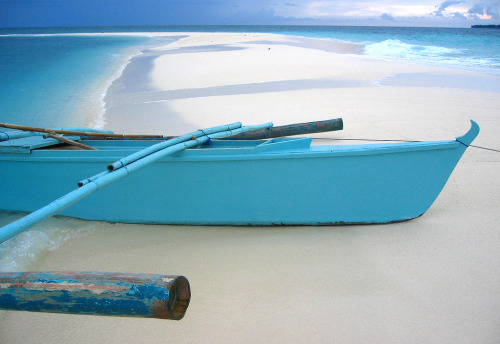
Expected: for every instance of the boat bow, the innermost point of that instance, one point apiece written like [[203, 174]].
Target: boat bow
[[470, 135]]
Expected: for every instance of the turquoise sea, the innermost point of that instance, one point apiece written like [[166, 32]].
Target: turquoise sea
[[57, 77]]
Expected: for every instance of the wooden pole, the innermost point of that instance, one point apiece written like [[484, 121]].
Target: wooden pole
[[292, 129], [96, 293], [70, 142], [74, 132]]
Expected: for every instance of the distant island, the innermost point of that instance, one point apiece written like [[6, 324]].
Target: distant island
[[485, 26]]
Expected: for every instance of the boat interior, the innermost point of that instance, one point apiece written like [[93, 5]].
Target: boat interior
[[25, 142]]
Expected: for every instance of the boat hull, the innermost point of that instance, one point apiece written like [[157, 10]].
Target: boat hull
[[280, 182]]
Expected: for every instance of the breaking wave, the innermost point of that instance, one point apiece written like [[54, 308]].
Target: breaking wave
[[397, 49], [394, 49], [24, 251]]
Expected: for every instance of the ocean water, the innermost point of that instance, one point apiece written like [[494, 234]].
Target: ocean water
[[60, 80], [456, 48], [56, 77]]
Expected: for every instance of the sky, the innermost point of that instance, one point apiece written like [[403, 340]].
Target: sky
[[437, 13]]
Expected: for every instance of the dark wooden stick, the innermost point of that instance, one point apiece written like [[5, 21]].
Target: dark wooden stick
[[70, 142], [292, 129], [73, 132]]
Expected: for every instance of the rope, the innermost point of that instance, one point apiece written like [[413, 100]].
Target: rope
[[381, 140], [490, 149], [208, 141], [4, 135]]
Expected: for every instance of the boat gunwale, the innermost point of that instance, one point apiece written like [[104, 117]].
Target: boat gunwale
[[230, 154]]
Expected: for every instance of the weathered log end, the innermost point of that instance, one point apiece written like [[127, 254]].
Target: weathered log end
[[96, 293]]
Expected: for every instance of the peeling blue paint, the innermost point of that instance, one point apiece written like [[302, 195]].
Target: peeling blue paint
[[117, 294]]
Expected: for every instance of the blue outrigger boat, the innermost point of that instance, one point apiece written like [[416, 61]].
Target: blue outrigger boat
[[203, 178]]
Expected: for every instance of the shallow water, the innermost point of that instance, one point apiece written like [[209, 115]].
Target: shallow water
[[60, 80]]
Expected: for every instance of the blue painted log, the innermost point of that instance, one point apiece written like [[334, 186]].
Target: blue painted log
[[96, 293]]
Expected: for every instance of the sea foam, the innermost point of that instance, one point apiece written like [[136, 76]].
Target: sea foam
[[24, 251], [98, 107], [396, 50]]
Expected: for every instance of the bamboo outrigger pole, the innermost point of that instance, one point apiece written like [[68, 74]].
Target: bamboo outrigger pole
[[159, 146], [105, 178]]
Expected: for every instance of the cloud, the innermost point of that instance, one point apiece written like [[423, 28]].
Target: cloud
[[458, 15], [386, 16], [480, 11], [444, 6], [181, 12], [484, 11]]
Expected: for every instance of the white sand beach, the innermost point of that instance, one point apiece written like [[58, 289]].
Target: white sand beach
[[435, 279]]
